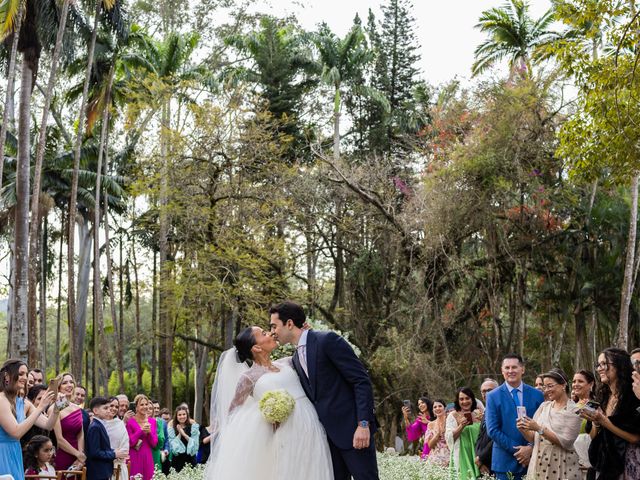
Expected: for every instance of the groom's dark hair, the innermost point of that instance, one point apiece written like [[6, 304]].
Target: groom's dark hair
[[289, 311]]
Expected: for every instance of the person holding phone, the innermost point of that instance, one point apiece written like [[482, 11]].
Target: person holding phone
[[553, 431], [68, 431], [18, 416], [416, 430], [462, 430], [616, 424]]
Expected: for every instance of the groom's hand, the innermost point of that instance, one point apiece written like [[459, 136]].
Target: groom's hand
[[361, 438]]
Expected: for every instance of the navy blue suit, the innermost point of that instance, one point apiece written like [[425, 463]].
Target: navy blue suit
[[100, 455], [501, 417], [341, 391]]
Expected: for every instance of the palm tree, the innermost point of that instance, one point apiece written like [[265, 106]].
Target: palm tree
[[11, 18], [282, 69], [513, 34], [342, 61]]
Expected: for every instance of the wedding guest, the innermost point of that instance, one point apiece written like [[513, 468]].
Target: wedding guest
[[79, 395], [118, 437], [484, 444], [511, 454], [17, 417], [583, 388], [462, 429], [35, 396], [157, 450], [539, 383], [123, 405], [157, 414], [68, 431], [100, 455], [165, 414], [439, 453], [205, 445], [184, 436], [553, 430], [418, 428], [143, 437], [37, 457], [632, 458], [616, 423], [37, 375]]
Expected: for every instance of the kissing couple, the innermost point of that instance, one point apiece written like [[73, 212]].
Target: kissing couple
[[310, 416]]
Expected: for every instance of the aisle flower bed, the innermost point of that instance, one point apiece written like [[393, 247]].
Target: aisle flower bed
[[392, 467]]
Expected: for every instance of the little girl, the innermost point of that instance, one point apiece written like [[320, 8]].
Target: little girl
[[37, 455]]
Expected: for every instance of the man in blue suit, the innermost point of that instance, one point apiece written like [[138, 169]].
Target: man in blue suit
[[339, 386], [511, 452], [100, 455]]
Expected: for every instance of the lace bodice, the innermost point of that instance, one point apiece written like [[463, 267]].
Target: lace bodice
[[258, 380]]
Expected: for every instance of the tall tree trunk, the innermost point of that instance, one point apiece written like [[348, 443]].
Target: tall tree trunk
[[117, 342], [627, 285], [165, 330], [137, 314], [85, 237], [154, 326], [11, 77], [201, 357], [100, 352], [59, 308], [11, 303], [34, 227], [21, 334], [43, 266], [74, 323]]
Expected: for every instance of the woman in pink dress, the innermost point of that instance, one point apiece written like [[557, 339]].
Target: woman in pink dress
[[417, 429], [68, 430], [143, 437]]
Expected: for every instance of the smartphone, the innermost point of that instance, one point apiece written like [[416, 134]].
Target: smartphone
[[54, 384], [636, 365], [406, 403], [132, 406], [522, 412]]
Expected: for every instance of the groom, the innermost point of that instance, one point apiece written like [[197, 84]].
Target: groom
[[337, 383]]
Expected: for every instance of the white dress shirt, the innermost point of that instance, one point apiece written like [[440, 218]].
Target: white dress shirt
[[302, 351]]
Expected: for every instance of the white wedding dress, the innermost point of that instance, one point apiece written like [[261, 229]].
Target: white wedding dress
[[246, 447]]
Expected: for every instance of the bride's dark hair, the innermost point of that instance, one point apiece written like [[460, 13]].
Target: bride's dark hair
[[244, 342]]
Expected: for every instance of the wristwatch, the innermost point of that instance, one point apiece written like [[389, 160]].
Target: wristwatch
[[541, 431], [363, 424]]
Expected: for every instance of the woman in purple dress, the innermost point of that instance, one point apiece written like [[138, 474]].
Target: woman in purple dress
[[418, 428], [143, 437], [68, 430]]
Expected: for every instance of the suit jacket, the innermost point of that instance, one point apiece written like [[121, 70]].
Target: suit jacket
[[338, 385], [484, 445], [100, 455], [501, 417]]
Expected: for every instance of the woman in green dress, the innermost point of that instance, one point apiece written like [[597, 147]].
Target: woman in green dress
[[156, 451], [462, 430]]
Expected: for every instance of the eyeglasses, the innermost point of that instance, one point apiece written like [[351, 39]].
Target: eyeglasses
[[548, 387], [602, 365]]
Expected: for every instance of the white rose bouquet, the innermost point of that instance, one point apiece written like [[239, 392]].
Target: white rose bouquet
[[276, 406]]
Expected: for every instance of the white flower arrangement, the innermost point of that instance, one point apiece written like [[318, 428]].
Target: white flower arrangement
[[390, 465], [276, 406]]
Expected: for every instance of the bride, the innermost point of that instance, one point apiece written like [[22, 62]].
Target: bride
[[245, 445]]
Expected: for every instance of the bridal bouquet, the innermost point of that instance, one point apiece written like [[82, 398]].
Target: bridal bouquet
[[276, 406]]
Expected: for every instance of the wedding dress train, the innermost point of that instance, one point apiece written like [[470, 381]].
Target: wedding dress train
[[246, 447]]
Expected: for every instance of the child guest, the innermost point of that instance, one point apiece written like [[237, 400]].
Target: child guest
[[37, 456], [100, 455]]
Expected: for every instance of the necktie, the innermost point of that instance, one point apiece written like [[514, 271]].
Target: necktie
[[514, 393], [302, 356]]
